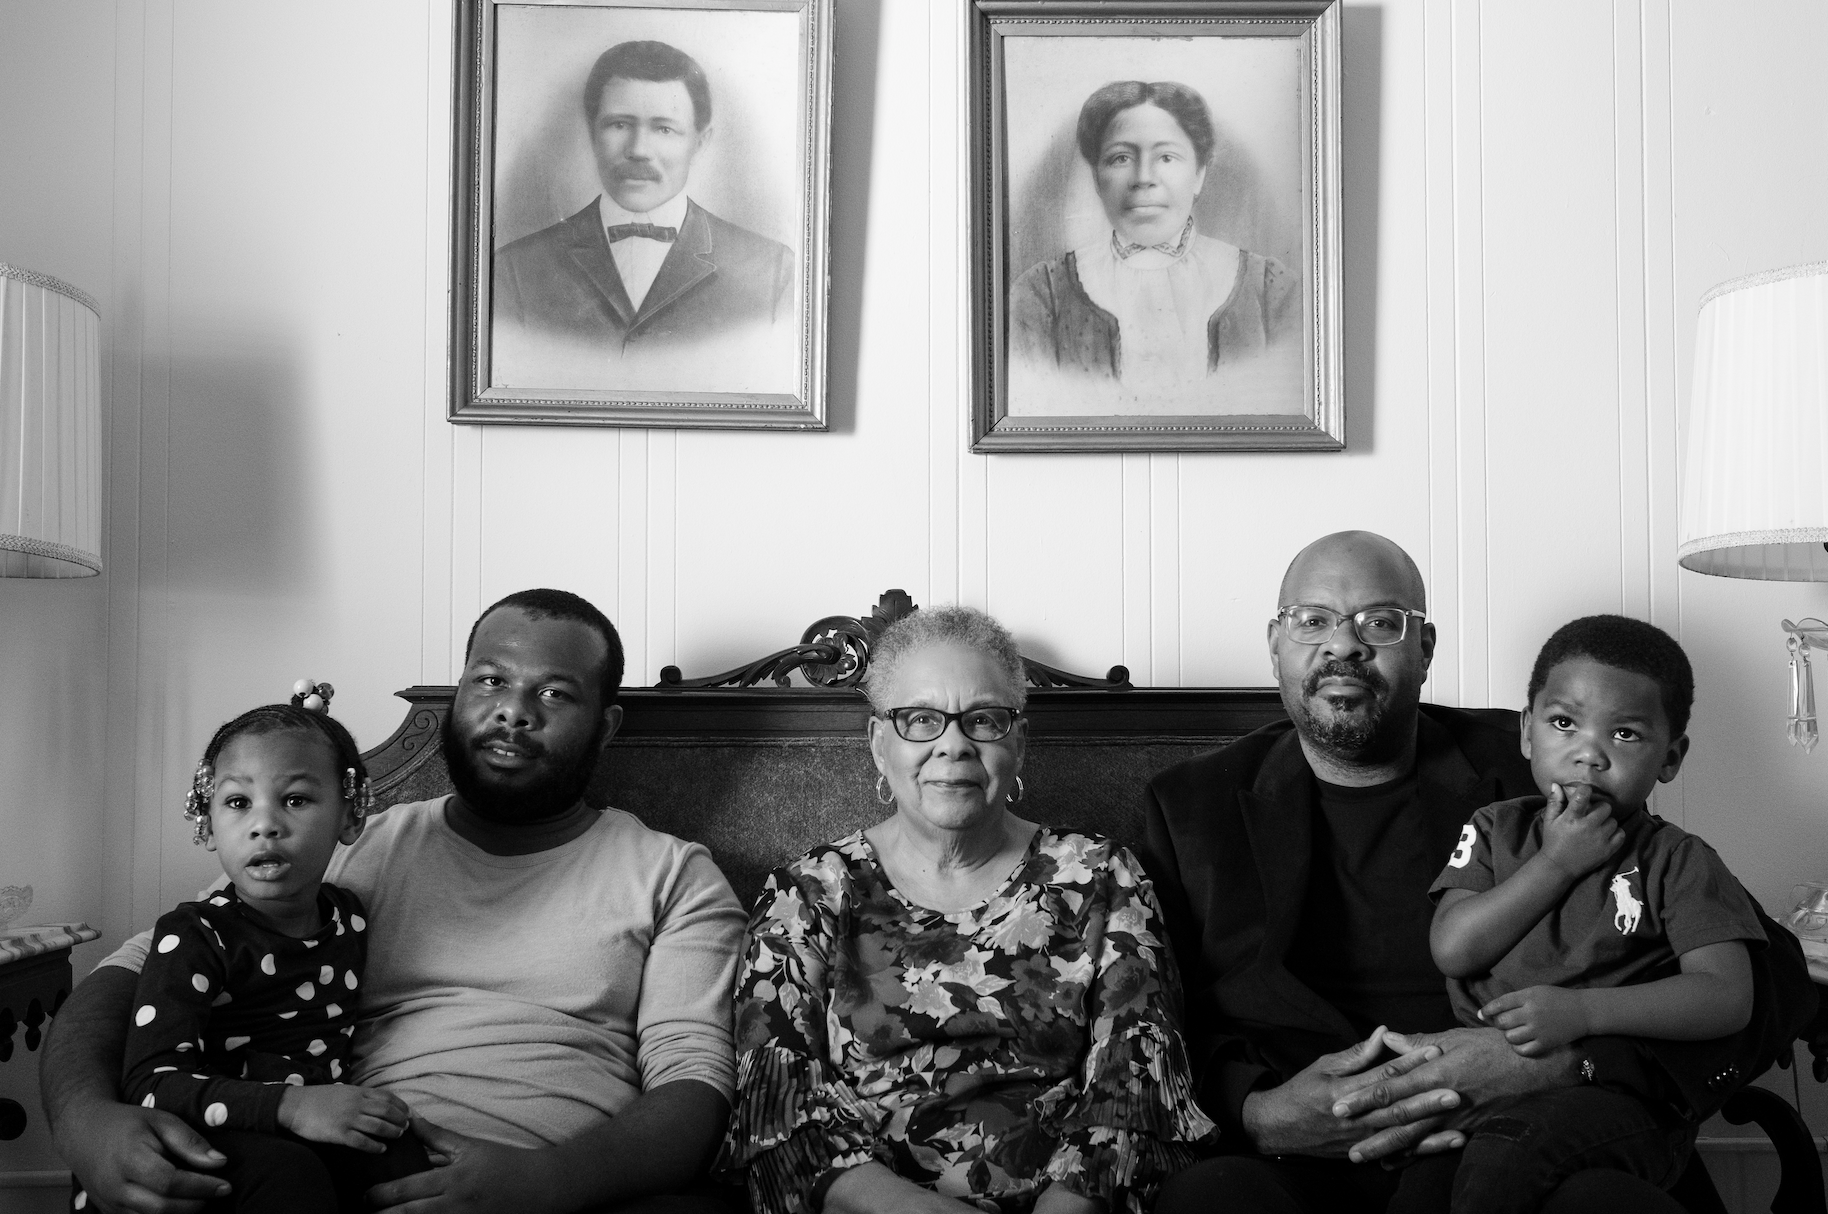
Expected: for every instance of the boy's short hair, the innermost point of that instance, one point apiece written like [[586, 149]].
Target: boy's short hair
[[1627, 644]]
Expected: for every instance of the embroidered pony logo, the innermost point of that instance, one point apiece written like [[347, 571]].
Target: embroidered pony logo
[[1630, 910]]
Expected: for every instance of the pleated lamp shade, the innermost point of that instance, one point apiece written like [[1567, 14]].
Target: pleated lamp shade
[[50, 428], [1755, 497]]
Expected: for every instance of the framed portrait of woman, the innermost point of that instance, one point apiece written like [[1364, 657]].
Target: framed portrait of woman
[[1155, 243], [639, 219]]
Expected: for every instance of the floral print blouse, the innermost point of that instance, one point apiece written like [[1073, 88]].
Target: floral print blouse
[[984, 1053]]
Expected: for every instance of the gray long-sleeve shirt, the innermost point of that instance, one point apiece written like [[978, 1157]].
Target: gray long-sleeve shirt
[[521, 999]]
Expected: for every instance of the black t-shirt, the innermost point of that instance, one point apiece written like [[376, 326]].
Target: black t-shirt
[[1363, 940]]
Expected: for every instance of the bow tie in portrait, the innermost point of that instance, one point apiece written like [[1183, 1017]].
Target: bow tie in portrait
[[653, 231]]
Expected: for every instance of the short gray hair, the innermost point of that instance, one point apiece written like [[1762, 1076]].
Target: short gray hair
[[956, 625]]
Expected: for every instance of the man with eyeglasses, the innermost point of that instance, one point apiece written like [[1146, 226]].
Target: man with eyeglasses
[[1293, 868]]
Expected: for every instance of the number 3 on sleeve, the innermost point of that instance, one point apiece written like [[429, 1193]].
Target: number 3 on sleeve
[[1463, 851]]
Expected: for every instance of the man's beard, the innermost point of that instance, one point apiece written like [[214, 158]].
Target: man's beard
[[1373, 732], [556, 790]]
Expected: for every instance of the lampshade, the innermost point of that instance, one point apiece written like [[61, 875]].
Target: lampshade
[[1755, 501], [50, 428]]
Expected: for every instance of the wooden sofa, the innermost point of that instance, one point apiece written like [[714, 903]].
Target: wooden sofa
[[759, 770], [761, 773]]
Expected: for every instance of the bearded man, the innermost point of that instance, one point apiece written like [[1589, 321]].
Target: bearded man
[[548, 984], [1293, 868]]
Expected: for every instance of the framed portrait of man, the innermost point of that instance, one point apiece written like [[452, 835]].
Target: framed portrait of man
[[639, 219], [1155, 244]]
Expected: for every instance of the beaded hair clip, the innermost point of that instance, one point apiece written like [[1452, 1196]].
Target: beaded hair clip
[[360, 795], [196, 802], [315, 697], [312, 696]]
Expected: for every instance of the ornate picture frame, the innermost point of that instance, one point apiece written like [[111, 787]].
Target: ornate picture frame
[[639, 213], [1155, 260]]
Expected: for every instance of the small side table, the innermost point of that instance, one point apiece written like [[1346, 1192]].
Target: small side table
[[35, 977]]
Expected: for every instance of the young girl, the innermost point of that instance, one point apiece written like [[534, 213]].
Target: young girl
[[245, 1009]]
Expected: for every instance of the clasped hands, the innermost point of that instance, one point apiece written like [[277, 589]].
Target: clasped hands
[[1365, 1105]]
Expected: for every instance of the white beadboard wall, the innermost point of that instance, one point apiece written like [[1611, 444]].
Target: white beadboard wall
[[1537, 194]]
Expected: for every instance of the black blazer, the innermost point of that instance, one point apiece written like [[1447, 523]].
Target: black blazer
[[561, 282], [1227, 843]]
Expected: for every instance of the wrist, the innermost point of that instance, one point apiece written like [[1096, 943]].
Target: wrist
[[73, 1121], [1557, 869], [1261, 1125], [287, 1112], [1589, 1012]]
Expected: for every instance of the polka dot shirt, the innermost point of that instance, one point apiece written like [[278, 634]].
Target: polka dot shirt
[[228, 1012]]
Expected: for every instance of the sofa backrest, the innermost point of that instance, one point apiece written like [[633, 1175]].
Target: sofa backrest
[[759, 775]]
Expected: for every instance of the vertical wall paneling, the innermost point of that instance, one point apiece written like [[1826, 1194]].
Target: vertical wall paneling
[[973, 484], [1630, 296], [440, 632], [1661, 316], [974, 472], [1165, 568], [632, 559], [1467, 222], [123, 553], [452, 601], [1663, 404], [948, 363], [151, 282], [661, 574], [1555, 323], [465, 509], [1443, 564], [1138, 581]]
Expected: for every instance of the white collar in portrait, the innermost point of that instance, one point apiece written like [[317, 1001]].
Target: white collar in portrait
[[669, 214], [1162, 301]]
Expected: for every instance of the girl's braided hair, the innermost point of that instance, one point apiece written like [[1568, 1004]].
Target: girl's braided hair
[[278, 718]]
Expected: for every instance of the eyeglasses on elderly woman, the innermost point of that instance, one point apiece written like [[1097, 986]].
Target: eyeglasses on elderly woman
[[1306, 624], [917, 724]]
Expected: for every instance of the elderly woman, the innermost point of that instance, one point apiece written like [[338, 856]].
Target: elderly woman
[[1157, 304], [957, 1009]]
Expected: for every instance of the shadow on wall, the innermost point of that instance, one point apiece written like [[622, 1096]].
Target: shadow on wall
[[243, 471], [857, 41], [1361, 106]]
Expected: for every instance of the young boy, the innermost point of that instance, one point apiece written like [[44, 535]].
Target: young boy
[[1581, 913]]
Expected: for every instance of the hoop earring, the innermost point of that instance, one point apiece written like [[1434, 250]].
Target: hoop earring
[[884, 795], [1020, 792]]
